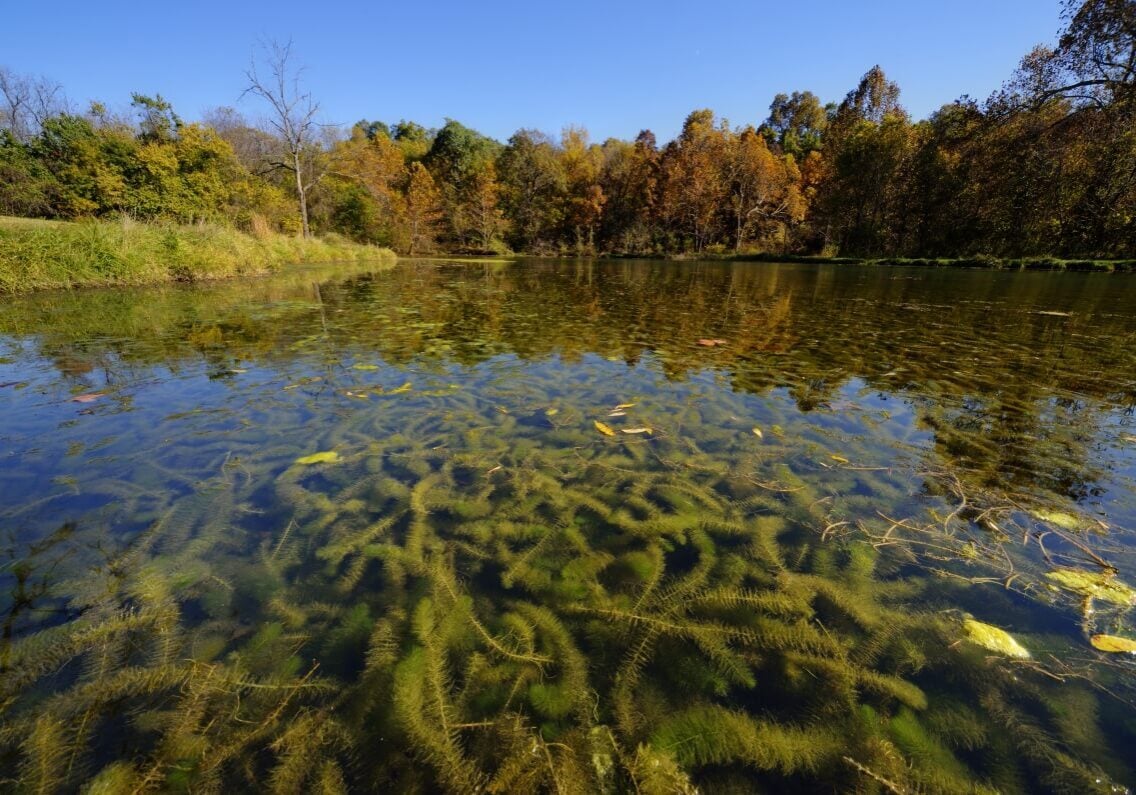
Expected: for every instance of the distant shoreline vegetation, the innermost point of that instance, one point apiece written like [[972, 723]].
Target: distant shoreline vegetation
[[979, 262], [46, 255], [42, 255], [1044, 170]]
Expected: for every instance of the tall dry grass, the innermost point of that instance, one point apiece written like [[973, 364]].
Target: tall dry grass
[[38, 255]]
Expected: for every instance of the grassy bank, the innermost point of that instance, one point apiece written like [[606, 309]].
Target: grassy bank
[[40, 255]]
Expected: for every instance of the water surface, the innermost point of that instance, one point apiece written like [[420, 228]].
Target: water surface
[[571, 526]]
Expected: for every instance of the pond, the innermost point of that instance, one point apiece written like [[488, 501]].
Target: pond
[[543, 526]]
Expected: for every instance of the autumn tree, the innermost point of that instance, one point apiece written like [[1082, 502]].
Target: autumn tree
[[868, 149], [456, 158], [764, 189], [692, 190], [367, 179], [1097, 50], [630, 182], [484, 207], [422, 213], [533, 190], [582, 165]]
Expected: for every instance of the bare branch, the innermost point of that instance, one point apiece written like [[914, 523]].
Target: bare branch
[[293, 119]]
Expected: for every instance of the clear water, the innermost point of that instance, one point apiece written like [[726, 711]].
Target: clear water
[[595, 527]]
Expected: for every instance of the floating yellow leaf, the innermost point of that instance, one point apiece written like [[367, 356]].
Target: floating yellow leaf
[[1114, 644], [622, 406], [994, 639], [636, 430], [399, 390], [617, 414], [839, 459], [1094, 584], [328, 457], [1066, 521], [551, 412], [604, 428], [757, 432], [89, 397], [364, 367]]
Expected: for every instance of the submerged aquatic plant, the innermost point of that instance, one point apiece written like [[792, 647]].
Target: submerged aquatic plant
[[533, 576]]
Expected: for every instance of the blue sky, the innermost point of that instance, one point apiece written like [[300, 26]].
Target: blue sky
[[613, 67]]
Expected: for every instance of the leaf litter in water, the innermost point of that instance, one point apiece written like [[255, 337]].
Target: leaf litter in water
[[1097, 585], [1113, 644], [89, 397], [327, 457], [604, 428], [994, 639], [637, 430], [1066, 521]]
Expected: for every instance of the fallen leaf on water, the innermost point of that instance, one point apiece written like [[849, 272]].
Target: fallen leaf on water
[[356, 395], [364, 367], [711, 343], [1125, 437], [89, 397], [839, 459], [1114, 644], [328, 457], [622, 406], [604, 428], [636, 430], [401, 389], [551, 412], [1095, 585], [304, 381], [617, 414], [757, 432], [1066, 521], [994, 639]]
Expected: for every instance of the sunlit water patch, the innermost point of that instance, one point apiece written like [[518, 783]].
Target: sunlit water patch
[[595, 527]]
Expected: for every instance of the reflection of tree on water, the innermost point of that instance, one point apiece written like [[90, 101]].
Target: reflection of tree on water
[[991, 376]]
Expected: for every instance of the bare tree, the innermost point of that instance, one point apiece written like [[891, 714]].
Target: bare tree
[[293, 120], [27, 102], [256, 148]]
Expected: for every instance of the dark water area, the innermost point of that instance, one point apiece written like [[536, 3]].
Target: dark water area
[[544, 526]]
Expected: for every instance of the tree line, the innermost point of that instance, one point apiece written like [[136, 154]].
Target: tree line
[[1045, 166]]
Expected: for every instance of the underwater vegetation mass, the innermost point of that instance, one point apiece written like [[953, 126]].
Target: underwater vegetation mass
[[330, 542]]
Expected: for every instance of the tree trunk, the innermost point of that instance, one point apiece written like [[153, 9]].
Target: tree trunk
[[302, 194]]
